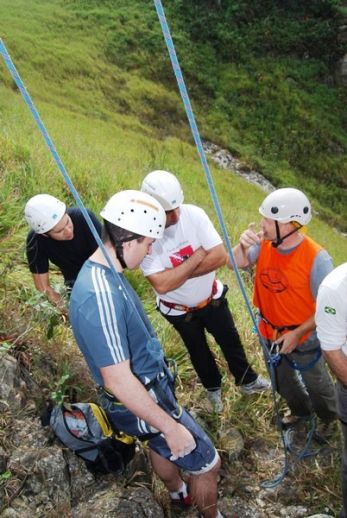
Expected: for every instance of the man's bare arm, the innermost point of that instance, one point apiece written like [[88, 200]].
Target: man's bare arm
[[42, 284], [337, 362], [248, 238], [173, 278], [291, 339], [214, 259], [120, 380]]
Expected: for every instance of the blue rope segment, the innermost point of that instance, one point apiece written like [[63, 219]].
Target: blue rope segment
[[276, 358], [197, 139], [196, 135], [298, 453], [304, 367], [27, 99]]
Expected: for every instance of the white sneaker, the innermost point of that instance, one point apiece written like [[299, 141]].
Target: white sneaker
[[215, 400], [258, 385]]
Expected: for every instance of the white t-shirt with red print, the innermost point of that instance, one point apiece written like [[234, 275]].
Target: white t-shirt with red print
[[193, 229]]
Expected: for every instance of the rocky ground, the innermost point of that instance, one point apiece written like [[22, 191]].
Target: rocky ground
[[40, 479], [225, 160]]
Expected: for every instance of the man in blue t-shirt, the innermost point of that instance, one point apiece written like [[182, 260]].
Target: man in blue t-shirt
[[126, 359], [60, 236]]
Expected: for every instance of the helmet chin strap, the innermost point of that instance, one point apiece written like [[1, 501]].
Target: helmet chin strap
[[120, 256], [118, 248], [279, 240], [118, 244]]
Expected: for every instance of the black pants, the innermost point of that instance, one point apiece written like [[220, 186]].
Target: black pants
[[217, 320]]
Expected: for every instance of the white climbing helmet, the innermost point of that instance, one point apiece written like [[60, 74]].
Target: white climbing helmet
[[286, 205], [137, 212], [165, 188], [43, 212]]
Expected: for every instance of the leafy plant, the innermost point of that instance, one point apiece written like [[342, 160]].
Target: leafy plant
[[59, 395], [44, 311], [5, 476]]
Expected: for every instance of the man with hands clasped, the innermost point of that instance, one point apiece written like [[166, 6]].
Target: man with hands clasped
[[289, 269], [182, 271]]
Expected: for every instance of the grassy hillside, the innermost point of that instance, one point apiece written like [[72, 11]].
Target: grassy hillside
[[99, 75], [259, 74]]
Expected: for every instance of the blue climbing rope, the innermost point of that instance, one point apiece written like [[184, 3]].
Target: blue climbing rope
[[25, 94], [276, 358], [304, 367], [197, 139], [196, 135]]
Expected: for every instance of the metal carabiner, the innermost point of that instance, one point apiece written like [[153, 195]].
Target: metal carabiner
[[275, 354]]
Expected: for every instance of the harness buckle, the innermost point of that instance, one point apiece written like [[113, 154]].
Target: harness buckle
[[275, 354]]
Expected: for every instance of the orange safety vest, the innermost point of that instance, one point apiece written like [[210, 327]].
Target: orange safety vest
[[282, 291]]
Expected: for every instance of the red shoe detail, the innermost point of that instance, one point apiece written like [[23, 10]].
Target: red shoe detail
[[182, 502]]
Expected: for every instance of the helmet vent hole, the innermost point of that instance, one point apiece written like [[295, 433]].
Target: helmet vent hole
[[274, 210]]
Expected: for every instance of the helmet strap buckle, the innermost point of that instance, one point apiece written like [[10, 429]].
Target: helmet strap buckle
[[279, 239]]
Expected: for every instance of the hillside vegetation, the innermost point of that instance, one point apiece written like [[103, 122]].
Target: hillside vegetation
[[99, 74], [259, 73]]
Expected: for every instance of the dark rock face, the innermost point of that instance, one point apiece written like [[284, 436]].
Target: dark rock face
[[120, 503], [44, 479]]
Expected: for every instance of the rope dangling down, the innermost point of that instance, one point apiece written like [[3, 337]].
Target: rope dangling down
[[197, 139], [27, 99]]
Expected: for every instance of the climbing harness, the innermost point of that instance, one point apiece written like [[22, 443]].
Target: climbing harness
[[304, 367], [275, 357], [201, 305]]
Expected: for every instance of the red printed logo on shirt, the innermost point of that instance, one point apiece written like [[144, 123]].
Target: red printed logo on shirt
[[181, 255], [274, 280]]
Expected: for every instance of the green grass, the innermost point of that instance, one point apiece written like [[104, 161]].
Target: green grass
[[257, 73], [114, 114]]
